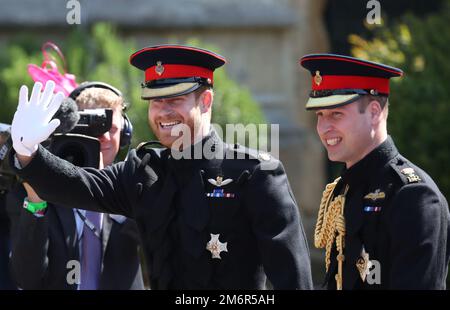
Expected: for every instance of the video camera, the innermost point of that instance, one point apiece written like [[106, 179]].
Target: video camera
[[80, 146], [77, 143]]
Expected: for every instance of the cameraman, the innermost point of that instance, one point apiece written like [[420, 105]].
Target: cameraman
[[49, 244]]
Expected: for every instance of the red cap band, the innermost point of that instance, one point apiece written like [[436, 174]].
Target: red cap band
[[176, 71], [330, 82]]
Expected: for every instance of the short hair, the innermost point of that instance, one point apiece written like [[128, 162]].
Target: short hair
[[95, 97], [198, 92], [364, 101]]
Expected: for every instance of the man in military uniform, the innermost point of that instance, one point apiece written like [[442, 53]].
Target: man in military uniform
[[213, 222], [384, 222]]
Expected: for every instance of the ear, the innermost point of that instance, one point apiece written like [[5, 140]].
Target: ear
[[206, 100], [376, 112]]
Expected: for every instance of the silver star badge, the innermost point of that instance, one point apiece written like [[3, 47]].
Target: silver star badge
[[215, 246]]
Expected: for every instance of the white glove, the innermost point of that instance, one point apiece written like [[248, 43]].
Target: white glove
[[31, 124]]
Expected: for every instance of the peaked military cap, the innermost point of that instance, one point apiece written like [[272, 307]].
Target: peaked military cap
[[175, 70], [338, 80]]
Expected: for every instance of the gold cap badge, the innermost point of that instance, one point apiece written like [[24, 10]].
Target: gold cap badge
[[318, 78], [159, 69]]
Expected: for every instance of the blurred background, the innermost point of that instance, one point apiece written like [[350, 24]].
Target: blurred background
[[262, 82]]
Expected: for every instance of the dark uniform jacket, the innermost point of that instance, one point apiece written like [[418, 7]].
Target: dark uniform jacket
[[181, 205], [42, 247], [396, 214]]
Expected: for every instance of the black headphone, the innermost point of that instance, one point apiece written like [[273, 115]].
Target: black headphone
[[127, 129]]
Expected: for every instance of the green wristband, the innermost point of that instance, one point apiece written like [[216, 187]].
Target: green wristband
[[34, 207]]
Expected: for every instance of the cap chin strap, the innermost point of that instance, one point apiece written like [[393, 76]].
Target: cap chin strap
[[169, 82], [332, 92]]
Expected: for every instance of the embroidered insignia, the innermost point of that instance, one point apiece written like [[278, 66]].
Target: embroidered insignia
[[375, 195], [318, 78], [363, 264], [411, 175], [159, 69], [215, 246], [372, 209], [218, 192], [219, 181]]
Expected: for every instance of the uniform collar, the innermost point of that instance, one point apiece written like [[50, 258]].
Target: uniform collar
[[371, 163], [195, 154]]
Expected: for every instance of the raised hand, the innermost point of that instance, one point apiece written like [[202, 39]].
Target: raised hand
[[32, 123]]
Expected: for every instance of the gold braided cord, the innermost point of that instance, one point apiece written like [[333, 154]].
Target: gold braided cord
[[330, 226], [319, 234], [324, 232]]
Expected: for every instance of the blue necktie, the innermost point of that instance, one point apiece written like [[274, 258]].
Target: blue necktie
[[91, 253]]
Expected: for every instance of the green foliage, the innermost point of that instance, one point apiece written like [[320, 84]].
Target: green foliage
[[10, 81], [102, 55], [420, 101]]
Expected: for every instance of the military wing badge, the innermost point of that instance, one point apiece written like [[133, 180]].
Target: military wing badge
[[219, 181], [377, 195]]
